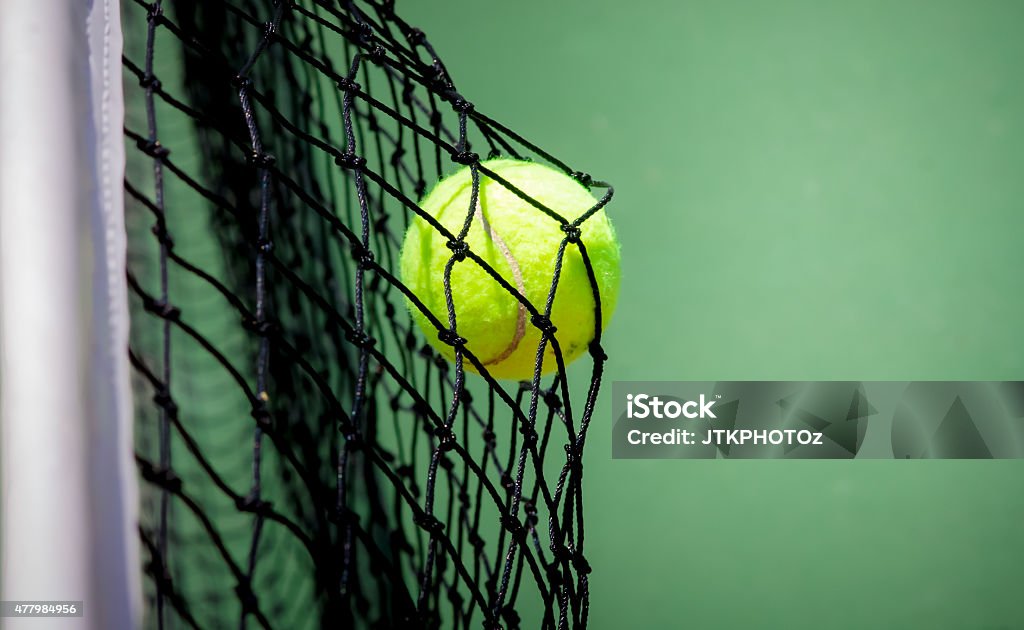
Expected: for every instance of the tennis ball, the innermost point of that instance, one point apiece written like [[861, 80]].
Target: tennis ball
[[520, 242]]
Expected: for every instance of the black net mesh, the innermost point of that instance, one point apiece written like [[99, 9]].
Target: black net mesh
[[307, 459]]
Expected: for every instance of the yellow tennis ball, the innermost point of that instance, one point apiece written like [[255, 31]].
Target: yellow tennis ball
[[520, 242]]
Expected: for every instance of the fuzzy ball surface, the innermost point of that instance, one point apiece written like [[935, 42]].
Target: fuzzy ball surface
[[520, 242]]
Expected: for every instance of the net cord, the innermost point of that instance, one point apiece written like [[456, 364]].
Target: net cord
[[567, 571]]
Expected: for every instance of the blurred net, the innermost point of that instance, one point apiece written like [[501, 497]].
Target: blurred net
[[307, 459]]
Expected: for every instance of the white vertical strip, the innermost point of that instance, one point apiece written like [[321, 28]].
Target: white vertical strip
[[67, 496], [44, 192], [114, 491]]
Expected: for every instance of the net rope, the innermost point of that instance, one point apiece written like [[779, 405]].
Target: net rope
[[307, 459]]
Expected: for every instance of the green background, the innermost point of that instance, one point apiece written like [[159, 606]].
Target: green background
[[804, 190]]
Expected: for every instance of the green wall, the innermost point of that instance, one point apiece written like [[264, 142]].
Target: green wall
[[804, 190]]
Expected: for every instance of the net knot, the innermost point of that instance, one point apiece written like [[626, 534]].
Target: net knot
[[262, 327], [552, 400], [407, 93], [561, 554], [350, 161], [164, 309], [572, 232], [411, 341], [451, 338], [476, 541], [163, 477], [154, 13], [261, 415], [461, 105], [158, 570], [531, 513], [149, 80], [514, 528], [270, 31], [446, 439], [510, 616], [346, 84], [580, 564], [246, 597], [252, 503], [360, 339], [362, 31], [529, 434], [584, 179], [353, 441], [163, 398], [455, 598], [597, 351], [259, 159], [361, 254], [264, 245], [377, 54], [465, 157], [460, 249], [543, 323], [153, 148], [440, 80], [489, 438], [415, 37], [396, 156], [345, 425], [429, 523], [162, 235], [241, 82]]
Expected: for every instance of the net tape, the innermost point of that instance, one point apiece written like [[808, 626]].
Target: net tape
[[377, 487]]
